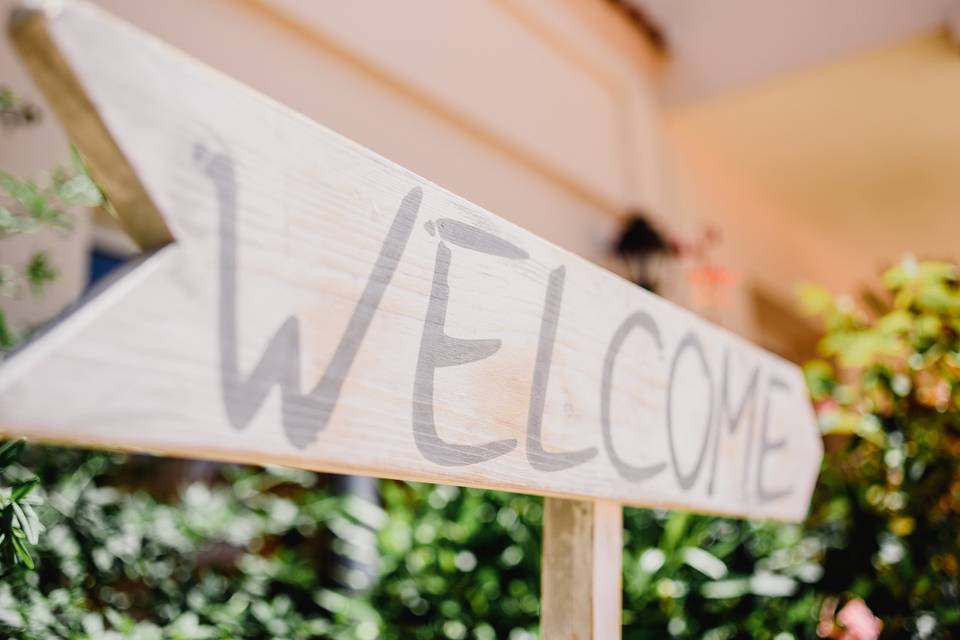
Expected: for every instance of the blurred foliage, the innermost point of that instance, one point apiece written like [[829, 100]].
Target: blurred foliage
[[232, 556], [248, 553], [15, 112], [29, 207], [239, 552], [705, 577], [20, 526], [888, 395]]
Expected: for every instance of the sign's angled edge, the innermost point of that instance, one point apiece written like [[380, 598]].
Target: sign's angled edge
[[126, 197]]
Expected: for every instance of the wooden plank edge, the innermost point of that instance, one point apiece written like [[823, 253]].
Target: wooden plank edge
[[51, 336], [127, 199]]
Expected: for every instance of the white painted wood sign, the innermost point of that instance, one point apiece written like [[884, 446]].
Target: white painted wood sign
[[307, 302]]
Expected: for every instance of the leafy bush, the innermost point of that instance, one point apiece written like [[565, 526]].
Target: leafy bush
[[248, 553], [705, 577], [229, 558], [888, 391], [243, 552]]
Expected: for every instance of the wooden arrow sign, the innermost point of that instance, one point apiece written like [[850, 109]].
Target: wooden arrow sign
[[307, 302]]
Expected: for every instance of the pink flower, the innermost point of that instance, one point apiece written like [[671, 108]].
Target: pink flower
[[856, 621], [826, 406], [859, 622]]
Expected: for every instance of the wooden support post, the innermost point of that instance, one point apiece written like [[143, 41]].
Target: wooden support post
[[582, 560]]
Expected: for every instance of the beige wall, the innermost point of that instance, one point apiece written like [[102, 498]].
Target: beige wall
[[522, 107], [543, 111]]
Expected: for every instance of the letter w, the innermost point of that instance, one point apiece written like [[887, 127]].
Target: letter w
[[303, 414]]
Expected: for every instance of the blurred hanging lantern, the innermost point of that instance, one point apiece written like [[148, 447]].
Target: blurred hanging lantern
[[644, 250], [648, 254]]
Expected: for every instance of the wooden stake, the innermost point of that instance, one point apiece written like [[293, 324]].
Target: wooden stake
[[582, 560]]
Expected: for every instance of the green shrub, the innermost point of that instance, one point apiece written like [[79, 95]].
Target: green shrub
[[888, 393], [247, 553]]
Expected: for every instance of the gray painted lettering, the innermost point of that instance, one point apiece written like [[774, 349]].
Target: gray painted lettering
[[687, 480], [303, 414], [470, 237], [769, 446], [733, 419], [540, 459], [437, 349], [636, 320]]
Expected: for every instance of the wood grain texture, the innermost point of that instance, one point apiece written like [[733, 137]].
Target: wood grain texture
[[321, 307], [582, 568]]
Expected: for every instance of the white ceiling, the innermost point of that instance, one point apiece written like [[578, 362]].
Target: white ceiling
[[833, 173], [716, 46]]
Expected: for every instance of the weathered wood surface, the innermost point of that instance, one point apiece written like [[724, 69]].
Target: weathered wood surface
[[582, 568], [321, 307]]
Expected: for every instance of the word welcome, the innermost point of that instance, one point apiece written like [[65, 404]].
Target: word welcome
[[306, 414]]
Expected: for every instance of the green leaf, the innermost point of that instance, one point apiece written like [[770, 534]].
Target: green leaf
[[929, 325], [673, 531], [40, 272], [720, 589], [938, 298], [80, 190], [11, 224], [861, 348], [7, 338], [814, 299], [897, 321], [24, 521], [34, 200], [820, 378], [32, 527], [23, 191], [910, 272], [22, 552], [705, 562], [10, 452], [22, 489]]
